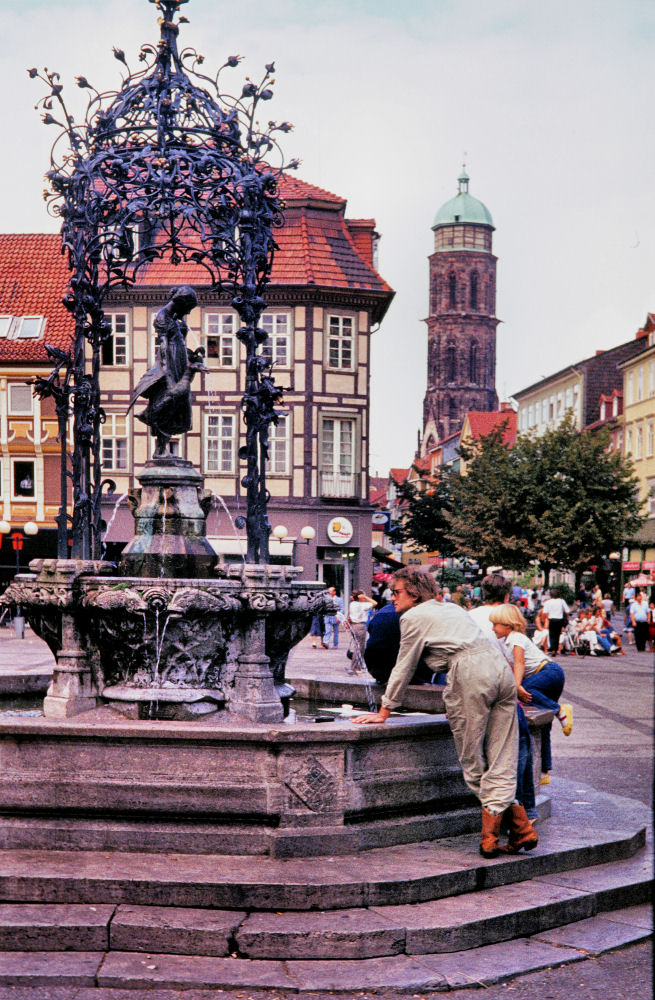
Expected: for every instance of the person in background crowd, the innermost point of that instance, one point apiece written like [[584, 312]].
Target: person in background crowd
[[608, 606], [480, 701], [582, 596], [639, 621], [558, 615], [358, 612], [316, 631], [540, 637], [628, 594], [539, 681], [332, 621]]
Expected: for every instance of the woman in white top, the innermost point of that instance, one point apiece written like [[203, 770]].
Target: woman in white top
[[539, 681], [358, 612]]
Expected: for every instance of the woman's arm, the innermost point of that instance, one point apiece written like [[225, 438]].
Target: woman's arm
[[518, 670]]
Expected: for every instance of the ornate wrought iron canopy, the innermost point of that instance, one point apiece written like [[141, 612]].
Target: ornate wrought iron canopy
[[168, 166]]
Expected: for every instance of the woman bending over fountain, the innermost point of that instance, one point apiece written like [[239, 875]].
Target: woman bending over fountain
[[480, 699]]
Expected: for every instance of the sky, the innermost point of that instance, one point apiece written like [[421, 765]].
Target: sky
[[550, 106]]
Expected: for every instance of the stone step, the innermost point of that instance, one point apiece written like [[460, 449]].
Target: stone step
[[482, 966], [398, 875], [443, 925]]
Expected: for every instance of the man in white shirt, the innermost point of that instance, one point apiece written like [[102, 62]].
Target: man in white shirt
[[558, 611]]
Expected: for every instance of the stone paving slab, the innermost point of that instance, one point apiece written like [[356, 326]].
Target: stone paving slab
[[625, 882], [336, 934], [596, 935], [174, 930], [403, 973], [53, 927], [56, 968], [481, 918], [496, 962], [134, 971]]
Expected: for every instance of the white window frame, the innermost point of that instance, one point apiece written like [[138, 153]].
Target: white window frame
[[119, 320], [111, 435], [640, 383], [340, 339], [217, 437], [544, 410], [629, 389], [651, 378], [17, 411], [628, 440], [23, 497], [638, 441], [279, 438], [6, 324], [337, 478], [650, 439], [278, 347], [221, 325], [18, 333]]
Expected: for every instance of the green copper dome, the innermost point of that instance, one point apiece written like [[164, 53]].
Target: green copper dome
[[463, 207]]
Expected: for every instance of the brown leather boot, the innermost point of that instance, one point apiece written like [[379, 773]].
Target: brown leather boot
[[490, 833], [522, 834]]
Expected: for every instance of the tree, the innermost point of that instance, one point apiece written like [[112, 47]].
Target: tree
[[562, 499], [424, 505]]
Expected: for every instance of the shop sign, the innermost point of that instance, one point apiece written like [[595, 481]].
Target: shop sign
[[630, 567], [382, 519], [340, 530], [648, 567]]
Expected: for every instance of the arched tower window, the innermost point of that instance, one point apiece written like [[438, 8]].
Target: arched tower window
[[451, 363], [473, 290], [435, 294], [452, 413], [452, 290], [474, 374]]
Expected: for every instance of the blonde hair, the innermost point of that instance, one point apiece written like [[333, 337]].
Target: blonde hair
[[508, 614]]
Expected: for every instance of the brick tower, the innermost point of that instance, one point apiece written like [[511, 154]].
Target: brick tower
[[462, 320]]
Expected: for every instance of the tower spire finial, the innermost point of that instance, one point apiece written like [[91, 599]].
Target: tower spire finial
[[463, 179]]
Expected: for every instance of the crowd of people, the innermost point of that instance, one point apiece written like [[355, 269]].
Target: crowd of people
[[494, 646]]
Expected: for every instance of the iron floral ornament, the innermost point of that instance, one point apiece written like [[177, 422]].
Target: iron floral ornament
[[168, 166]]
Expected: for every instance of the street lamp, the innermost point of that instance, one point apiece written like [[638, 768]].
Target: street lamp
[[18, 536], [280, 531]]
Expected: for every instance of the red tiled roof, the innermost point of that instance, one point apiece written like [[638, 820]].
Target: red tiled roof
[[315, 248], [398, 475], [482, 423], [294, 189], [33, 279]]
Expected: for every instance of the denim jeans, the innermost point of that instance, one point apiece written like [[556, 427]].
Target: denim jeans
[[545, 687], [524, 774]]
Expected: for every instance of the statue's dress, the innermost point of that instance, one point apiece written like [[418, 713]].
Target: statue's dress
[[167, 388]]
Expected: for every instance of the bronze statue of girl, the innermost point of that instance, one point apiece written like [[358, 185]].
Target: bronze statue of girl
[[167, 385]]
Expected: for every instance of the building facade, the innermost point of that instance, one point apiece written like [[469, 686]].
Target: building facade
[[576, 389], [462, 317], [324, 297], [639, 443]]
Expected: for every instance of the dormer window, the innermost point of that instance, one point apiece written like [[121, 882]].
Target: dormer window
[[22, 327]]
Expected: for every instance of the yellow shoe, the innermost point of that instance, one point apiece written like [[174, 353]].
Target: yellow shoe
[[567, 723], [545, 779]]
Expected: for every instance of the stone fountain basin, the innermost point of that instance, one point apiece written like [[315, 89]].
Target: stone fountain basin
[[100, 782]]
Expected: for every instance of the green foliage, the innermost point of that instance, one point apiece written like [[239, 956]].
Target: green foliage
[[450, 576], [561, 499], [425, 505], [565, 592]]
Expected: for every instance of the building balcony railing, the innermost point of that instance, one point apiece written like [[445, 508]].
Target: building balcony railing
[[338, 485]]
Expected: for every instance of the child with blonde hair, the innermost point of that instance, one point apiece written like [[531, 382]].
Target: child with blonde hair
[[539, 681]]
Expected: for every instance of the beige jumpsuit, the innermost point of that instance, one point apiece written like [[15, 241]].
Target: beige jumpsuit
[[480, 695]]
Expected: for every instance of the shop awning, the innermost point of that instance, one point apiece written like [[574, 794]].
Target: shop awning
[[384, 556]]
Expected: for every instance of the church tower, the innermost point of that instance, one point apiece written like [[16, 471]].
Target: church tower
[[462, 320]]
